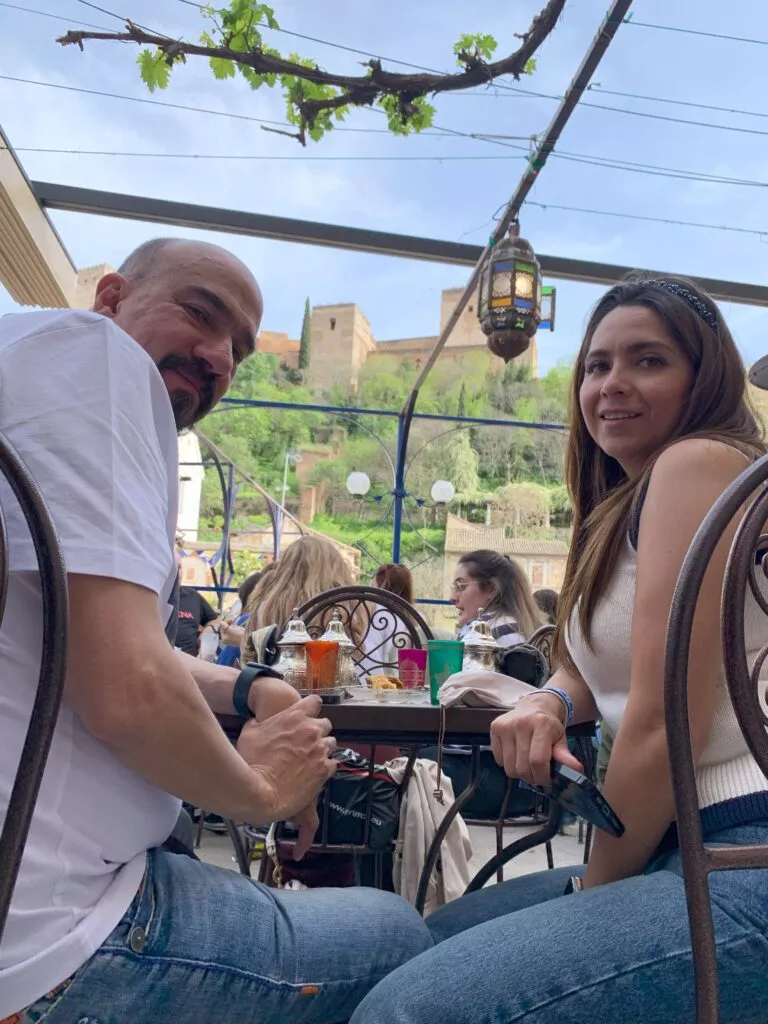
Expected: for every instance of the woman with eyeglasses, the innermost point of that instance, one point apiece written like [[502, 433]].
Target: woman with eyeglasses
[[492, 587], [494, 584]]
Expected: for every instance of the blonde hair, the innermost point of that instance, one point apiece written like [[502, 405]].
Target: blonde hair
[[603, 497], [309, 566]]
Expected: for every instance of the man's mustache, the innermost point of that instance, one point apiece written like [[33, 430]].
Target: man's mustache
[[198, 371]]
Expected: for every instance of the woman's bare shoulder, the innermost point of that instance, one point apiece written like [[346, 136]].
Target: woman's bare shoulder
[[693, 455]]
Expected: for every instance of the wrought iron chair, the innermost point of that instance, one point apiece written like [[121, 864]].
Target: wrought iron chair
[[550, 816], [395, 625], [50, 686], [541, 639], [747, 562]]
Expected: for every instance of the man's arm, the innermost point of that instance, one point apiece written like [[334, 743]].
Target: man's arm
[[267, 696], [135, 694]]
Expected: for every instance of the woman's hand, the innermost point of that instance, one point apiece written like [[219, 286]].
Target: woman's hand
[[231, 635], [526, 739]]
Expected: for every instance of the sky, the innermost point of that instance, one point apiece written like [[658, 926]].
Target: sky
[[335, 180]]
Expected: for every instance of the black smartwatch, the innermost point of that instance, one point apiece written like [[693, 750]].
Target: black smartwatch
[[243, 685]]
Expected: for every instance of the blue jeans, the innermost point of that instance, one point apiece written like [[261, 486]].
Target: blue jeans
[[202, 944], [522, 952]]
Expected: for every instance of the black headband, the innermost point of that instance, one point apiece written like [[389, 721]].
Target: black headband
[[691, 300]]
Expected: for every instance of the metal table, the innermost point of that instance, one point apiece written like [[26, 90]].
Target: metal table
[[411, 725], [387, 722]]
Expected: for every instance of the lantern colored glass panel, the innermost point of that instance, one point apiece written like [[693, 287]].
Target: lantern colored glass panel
[[547, 314], [482, 292], [502, 284], [525, 281]]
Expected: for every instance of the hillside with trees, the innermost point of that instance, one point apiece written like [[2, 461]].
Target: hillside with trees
[[501, 474]]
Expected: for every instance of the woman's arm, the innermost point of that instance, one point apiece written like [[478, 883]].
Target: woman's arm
[[686, 481]]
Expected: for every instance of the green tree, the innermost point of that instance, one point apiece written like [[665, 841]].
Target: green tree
[[233, 43], [461, 465], [461, 408], [524, 505], [306, 337]]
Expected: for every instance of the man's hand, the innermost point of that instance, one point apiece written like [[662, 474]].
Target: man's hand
[[291, 754], [308, 823]]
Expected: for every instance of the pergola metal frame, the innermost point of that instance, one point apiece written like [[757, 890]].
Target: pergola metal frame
[[75, 199]]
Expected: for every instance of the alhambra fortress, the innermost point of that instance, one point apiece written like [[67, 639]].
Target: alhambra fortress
[[343, 342]]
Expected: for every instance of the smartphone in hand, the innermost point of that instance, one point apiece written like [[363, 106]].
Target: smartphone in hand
[[579, 795]]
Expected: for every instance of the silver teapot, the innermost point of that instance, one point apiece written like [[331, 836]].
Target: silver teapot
[[481, 651], [292, 662], [346, 674]]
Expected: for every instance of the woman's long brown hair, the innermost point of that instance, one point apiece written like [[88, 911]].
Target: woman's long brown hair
[[507, 586], [395, 578], [602, 495]]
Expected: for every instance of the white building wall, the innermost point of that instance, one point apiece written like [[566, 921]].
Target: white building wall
[[190, 485]]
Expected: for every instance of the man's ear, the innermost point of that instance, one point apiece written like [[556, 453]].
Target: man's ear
[[111, 290]]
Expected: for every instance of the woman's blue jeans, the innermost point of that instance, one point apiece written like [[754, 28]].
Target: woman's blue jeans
[[618, 954], [203, 945]]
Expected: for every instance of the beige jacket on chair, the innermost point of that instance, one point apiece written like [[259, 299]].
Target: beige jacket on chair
[[420, 815]]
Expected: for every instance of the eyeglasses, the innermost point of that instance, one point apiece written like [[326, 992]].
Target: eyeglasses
[[459, 585]]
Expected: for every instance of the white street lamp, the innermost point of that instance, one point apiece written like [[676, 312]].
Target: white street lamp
[[443, 492], [358, 484]]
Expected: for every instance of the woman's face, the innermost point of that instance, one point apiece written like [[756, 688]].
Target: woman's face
[[636, 383], [467, 595]]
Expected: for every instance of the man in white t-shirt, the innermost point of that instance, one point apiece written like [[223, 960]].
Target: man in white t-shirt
[[104, 925]]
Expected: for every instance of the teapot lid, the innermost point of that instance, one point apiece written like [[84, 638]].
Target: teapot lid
[[295, 632], [479, 635], [336, 631]]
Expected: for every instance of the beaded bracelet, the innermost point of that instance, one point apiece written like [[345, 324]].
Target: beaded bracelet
[[564, 697]]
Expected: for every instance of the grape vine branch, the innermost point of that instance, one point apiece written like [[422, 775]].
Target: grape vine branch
[[316, 98]]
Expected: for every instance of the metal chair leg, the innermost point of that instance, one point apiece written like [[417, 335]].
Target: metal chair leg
[[199, 830], [544, 834], [588, 842], [241, 851]]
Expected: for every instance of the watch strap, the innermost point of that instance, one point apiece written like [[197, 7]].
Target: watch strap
[[574, 884], [243, 685]]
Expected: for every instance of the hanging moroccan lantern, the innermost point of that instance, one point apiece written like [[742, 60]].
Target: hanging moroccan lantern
[[510, 297]]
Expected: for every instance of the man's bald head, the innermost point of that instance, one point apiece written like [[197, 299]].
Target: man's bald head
[[195, 308], [158, 254]]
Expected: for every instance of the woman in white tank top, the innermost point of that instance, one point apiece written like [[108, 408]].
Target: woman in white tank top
[[660, 427]]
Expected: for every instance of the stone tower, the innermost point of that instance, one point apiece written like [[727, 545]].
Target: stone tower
[[341, 343]]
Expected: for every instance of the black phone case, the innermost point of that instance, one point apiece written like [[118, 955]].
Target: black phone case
[[578, 794]]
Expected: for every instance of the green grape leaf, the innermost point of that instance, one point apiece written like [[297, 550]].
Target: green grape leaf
[[479, 45], [222, 68], [419, 116], [154, 69]]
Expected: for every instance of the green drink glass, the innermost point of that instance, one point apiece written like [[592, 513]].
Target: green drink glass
[[444, 659]]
